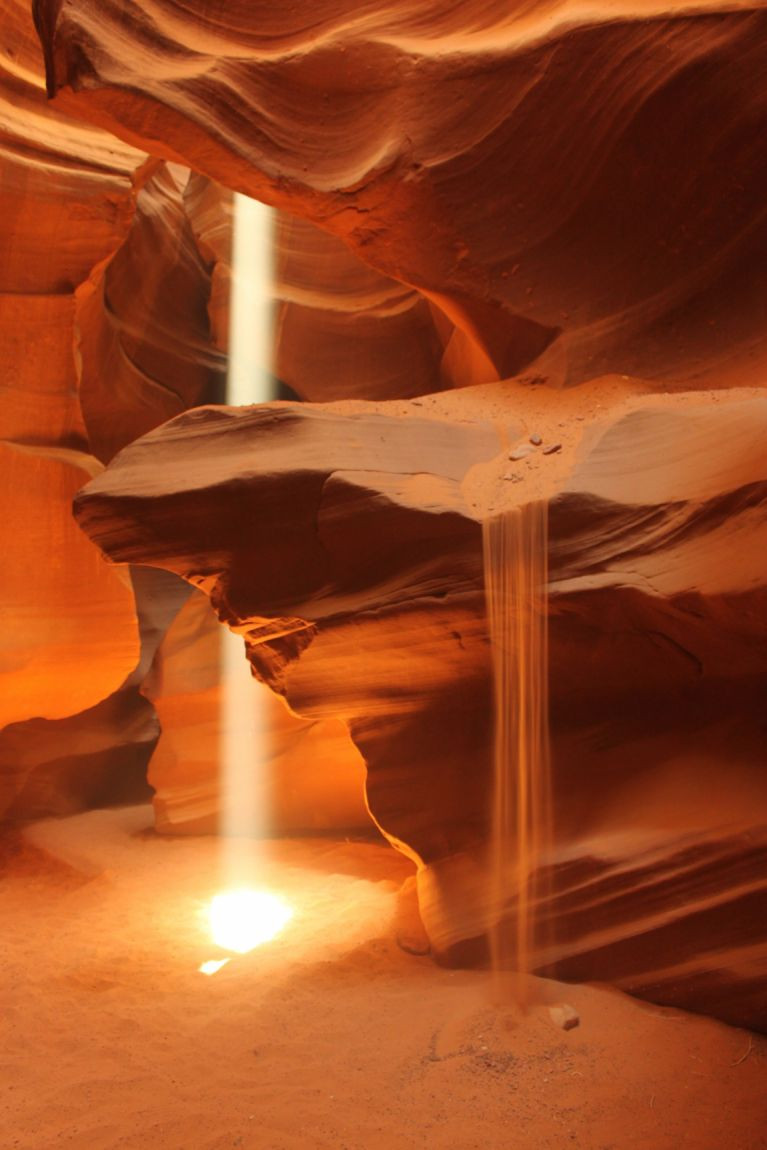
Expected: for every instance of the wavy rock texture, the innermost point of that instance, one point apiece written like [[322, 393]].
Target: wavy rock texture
[[68, 610], [144, 334], [343, 330], [208, 208], [66, 197], [95, 758], [358, 588], [97, 251], [624, 233]]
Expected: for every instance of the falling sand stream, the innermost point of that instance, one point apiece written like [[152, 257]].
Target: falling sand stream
[[515, 560]]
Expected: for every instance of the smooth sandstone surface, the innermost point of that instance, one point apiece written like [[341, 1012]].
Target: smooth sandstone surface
[[96, 758], [66, 201], [343, 331], [83, 643], [143, 329], [103, 334]]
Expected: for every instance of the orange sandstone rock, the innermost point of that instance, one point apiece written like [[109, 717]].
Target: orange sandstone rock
[[311, 777], [356, 580], [70, 638], [144, 339], [588, 185], [68, 197]]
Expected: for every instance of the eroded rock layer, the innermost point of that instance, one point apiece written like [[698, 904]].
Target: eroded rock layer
[[104, 333], [144, 336], [585, 185], [345, 331], [356, 580], [66, 198]]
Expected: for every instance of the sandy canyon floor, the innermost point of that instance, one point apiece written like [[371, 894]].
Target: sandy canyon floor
[[331, 1037]]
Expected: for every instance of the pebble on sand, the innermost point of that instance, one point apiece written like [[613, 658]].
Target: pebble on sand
[[564, 1016]]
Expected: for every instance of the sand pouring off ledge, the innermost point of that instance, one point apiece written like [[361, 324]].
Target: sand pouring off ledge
[[516, 567], [331, 1037]]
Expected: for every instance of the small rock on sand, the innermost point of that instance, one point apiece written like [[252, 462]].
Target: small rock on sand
[[550, 448], [521, 452], [564, 1016], [536, 440]]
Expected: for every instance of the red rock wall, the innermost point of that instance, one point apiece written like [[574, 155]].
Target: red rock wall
[[104, 333], [69, 636], [587, 185]]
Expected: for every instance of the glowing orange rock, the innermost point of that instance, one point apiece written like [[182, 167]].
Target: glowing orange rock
[[70, 636], [584, 184]]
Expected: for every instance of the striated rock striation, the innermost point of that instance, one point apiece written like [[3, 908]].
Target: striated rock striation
[[104, 333], [588, 185], [144, 339], [67, 197], [343, 331]]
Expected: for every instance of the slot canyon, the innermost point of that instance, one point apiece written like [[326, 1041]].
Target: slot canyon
[[384, 442]]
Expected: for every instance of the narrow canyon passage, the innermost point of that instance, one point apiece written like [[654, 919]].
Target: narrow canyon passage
[[383, 659]]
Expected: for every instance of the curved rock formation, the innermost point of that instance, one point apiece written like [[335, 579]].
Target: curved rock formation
[[88, 361], [96, 758], [589, 185], [343, 330], [343, 541], [66, 609], [66, 196], [143, 329]]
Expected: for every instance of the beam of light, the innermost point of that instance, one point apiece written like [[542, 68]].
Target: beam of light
[[251, 329], [241, 920], [244, 738]]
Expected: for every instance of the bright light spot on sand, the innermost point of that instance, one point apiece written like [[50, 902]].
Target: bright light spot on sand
[[243, 919], [213, 965]]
